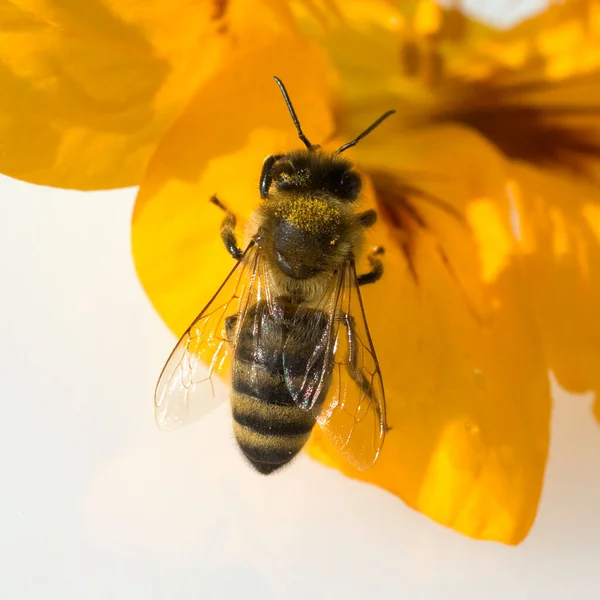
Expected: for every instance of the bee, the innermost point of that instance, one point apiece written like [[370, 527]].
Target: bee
[[289, 318]]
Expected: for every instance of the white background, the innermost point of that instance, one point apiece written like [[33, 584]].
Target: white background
[[95, 502]]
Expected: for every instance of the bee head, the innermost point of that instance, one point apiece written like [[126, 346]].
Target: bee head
[[308, 226], [311, 170], [316, 174]]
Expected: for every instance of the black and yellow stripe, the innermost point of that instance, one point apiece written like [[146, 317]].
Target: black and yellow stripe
[[270, 435], [268, 426]]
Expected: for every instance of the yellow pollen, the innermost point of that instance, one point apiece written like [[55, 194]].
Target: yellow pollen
[[308, 214], [300, 177]]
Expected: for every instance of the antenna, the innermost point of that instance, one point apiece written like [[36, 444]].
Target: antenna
[[295, 118], [366, 132]]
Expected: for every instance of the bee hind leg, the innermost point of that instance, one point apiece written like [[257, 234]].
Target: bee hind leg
[[355, 369], [376, 268], [228, 230]]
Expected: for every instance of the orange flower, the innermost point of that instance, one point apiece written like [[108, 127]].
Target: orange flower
[[485, 185], [89, 88], [469, 412]]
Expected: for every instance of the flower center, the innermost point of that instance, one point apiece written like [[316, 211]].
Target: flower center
[[545, 135]]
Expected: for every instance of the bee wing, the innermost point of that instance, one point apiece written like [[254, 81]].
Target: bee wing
[[185, 389], [353, 413]]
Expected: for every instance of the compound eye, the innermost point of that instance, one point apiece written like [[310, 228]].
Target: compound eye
[[350, 185]]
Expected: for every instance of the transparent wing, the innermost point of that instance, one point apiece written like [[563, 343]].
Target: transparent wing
[[307, 351], [353, 412], [185, 389]]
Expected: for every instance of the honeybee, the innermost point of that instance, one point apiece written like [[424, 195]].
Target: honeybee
[[290, 318]]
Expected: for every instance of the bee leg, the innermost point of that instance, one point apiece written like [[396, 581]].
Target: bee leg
[[376, 268], [353, 367], [367, 219], [266, 176], [230, 325], [228, 230]]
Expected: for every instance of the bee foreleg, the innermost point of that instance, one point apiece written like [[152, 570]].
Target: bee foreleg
[[376, 268], [228, 230], [266, 175]]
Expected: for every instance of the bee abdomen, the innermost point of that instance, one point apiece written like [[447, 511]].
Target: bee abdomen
[[270, 435]]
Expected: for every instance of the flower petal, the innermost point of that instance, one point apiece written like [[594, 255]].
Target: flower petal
[[546, 123], [464, 371], [560, 239], [218, 146], [365, 47], [466, 383], [564, 39], [535, 102], [89, 87]]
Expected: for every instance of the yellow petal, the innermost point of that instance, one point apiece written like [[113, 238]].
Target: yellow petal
[[467, 74], [564, 39], [509, 87], [218, 146], [558, 42], [466, 382], [560, 239], [365, 47], [88, 88], [548, 124]]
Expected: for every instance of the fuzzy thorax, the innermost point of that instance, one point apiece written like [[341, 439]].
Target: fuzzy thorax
[[312, 215]]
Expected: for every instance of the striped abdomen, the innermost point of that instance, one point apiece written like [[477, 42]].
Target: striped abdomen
[[269, 427]]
